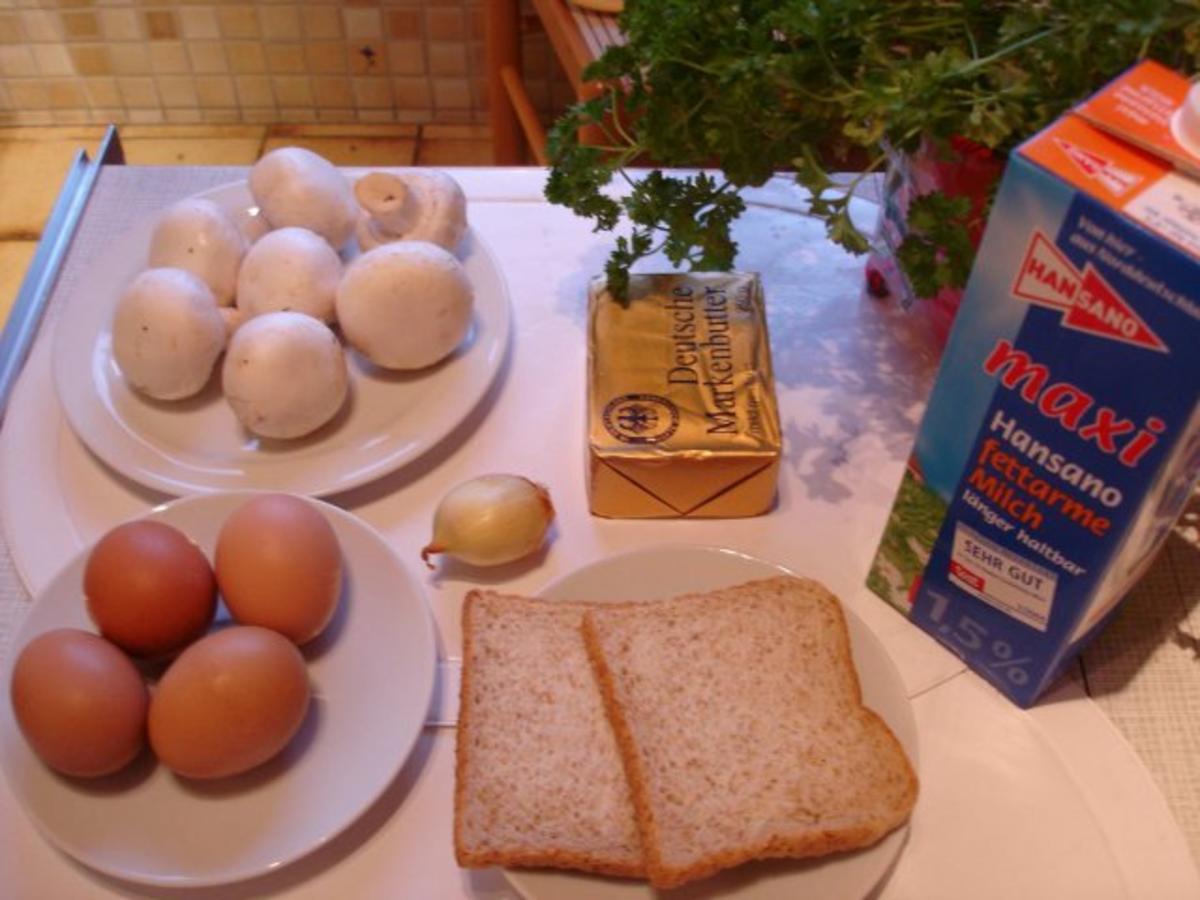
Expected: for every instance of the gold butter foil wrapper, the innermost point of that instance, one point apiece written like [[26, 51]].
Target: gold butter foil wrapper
[[682, 417]]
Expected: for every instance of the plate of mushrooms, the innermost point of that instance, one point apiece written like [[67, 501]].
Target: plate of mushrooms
[[301, 331]]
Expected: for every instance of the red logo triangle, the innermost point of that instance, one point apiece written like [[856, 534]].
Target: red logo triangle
[[1097, 168], [1098, 309], [1046, 277], [1089, 163]]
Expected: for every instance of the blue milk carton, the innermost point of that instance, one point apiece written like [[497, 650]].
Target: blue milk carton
[[1062, 435]]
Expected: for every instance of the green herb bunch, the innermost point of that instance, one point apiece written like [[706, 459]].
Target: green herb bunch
[[747, 89]]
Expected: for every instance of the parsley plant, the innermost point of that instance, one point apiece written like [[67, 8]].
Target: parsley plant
[[747, 88]]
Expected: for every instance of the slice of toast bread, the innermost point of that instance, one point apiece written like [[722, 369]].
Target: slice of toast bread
[[538, 779], [740, 722]]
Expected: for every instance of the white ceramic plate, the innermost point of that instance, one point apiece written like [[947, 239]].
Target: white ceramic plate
[[197, 445], [668, 570], [372, 673]]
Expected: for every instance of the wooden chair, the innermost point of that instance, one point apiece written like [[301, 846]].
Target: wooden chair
[[577, 37]]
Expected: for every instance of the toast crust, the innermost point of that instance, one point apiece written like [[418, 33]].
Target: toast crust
[[647, 826], [801, 842], [516, 857], [461, 752]]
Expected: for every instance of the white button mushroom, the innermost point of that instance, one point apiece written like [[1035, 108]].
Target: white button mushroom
[[167, 333], [294, 186], [413, 205], [291, 268], [405, 305], [285, 374], [197, 235]]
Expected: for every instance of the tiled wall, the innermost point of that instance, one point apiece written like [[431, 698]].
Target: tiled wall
[[133, 61]]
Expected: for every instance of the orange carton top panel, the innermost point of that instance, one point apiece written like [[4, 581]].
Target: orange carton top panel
[[1141, 107], [1107, 169]]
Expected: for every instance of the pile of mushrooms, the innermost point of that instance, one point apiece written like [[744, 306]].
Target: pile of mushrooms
[[273, 300]]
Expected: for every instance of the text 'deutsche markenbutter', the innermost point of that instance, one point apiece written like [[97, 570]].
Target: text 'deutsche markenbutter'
[[682, 418]]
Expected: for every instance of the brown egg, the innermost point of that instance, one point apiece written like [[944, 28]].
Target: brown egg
[[279, 566], [230, 702], [149, 589], [80, 702]]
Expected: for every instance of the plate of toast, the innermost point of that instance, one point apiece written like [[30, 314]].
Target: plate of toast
[[680, 719]]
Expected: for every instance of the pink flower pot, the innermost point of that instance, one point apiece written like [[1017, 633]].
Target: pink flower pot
[[958, 168]]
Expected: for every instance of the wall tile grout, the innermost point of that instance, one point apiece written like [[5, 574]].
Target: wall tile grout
[[254, 62]]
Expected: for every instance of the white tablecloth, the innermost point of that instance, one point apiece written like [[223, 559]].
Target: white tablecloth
[[1049, 803]]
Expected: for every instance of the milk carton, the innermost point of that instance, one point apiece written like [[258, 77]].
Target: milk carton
[[1062, 436]]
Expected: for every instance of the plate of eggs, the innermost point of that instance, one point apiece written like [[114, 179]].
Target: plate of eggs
[[303, 330], [221, 661]]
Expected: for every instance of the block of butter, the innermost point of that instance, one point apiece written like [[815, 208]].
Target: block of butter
[[682, 418]]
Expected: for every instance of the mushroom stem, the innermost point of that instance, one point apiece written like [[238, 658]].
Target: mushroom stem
[[416, 205], [388, 201]]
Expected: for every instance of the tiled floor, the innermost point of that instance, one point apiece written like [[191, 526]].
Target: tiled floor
[[33, 162]]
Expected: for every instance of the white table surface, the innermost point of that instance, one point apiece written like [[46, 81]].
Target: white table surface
[[1054, 802]]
